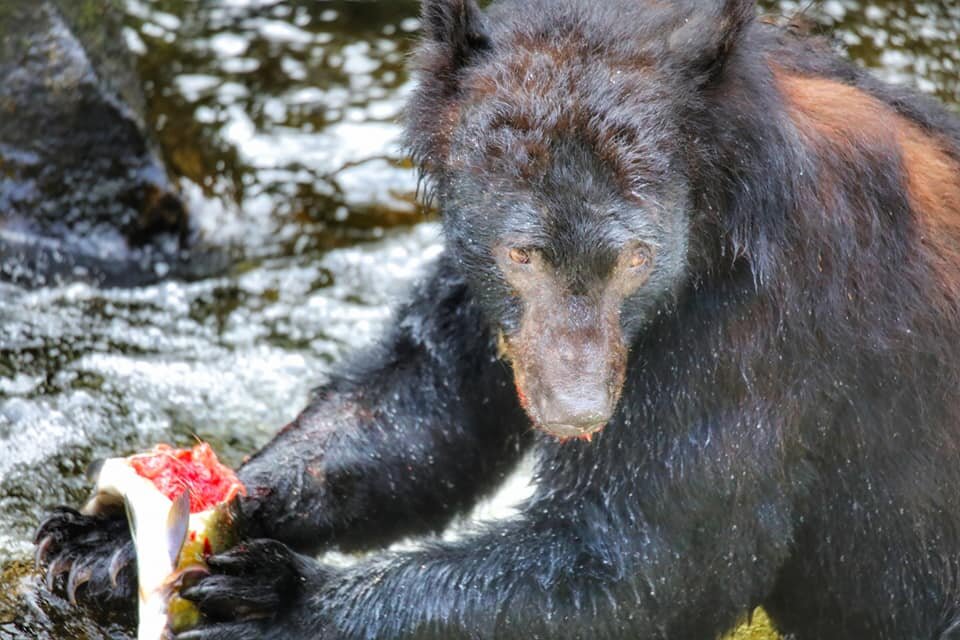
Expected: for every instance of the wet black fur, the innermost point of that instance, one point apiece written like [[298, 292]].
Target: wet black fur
[[787, 434]]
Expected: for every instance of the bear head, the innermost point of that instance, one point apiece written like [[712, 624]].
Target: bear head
[[554, 135]]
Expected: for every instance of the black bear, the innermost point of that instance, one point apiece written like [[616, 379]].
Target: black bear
[[723, 266]]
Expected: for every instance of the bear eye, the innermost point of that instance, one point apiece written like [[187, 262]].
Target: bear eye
[[519, 256], [639, 257]]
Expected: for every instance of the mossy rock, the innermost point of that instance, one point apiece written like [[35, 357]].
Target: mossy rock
[[83, 192], [759, 628]]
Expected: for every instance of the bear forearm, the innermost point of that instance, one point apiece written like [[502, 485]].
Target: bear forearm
[[389, 449], [706, 541], [554, 580], [515, 583], [368, 484]]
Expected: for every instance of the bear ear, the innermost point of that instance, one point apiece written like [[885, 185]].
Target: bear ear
[[710, 35], [456, 27], [454, 36]]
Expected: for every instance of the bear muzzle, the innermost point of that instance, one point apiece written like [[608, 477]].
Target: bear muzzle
[[569, 383]]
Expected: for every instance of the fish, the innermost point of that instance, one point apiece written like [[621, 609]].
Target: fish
[[170, 541], [158, 527]]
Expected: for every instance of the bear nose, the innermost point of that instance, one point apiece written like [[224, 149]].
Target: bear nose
[[577, 411]]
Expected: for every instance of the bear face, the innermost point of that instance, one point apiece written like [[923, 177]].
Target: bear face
[[559, 158], [568, 271]]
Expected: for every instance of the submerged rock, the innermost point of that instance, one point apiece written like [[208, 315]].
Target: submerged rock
[[83, 193]]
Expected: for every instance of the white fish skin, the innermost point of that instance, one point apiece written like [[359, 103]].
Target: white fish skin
[[158, 526]]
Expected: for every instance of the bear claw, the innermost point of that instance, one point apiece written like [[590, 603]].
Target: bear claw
[[43, 546], [78, 577]]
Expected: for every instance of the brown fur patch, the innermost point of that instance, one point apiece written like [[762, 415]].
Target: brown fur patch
[[848, 120], [833, 112]]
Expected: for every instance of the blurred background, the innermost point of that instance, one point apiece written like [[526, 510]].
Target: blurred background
[[278, 225]]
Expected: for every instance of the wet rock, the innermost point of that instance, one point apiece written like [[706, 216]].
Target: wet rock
[[83, 193]]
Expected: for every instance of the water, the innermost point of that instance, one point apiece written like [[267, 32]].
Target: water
[[280, 118]]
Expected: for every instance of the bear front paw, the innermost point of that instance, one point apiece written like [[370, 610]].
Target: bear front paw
[[89, 559], [252, 591]]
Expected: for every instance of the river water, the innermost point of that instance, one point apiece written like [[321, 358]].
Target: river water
[[280, 118]]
